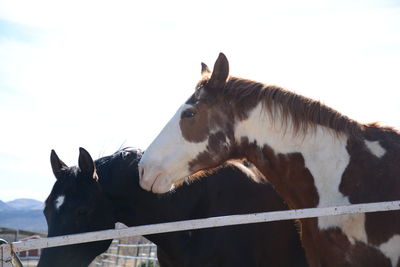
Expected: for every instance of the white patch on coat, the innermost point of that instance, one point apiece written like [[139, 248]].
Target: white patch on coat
[[375, 148], [352, 225], [59, 201], [391, 249], [325, 156], [172, 151]]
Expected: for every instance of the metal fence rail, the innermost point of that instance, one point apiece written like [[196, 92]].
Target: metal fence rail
[[136, 245], [5, 250], [129, 257]]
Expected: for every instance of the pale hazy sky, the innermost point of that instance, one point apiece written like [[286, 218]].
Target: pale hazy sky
[[106, 74]]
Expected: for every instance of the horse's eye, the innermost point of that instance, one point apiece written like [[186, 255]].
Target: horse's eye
[[188, 114]]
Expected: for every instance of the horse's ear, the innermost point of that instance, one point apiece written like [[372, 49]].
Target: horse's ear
[[86, 164], [220, 73], [56, 164], [205, 71]]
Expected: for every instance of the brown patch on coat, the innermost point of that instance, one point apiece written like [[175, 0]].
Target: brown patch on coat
[[197, 128], [290, 177], [309, 236], [282, 170], [336, 250], [368, 178], [217, 153]]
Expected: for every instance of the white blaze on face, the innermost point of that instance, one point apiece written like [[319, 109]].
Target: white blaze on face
[[59, 201], [166, 160]]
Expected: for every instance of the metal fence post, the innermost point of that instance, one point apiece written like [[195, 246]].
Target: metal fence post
[[8, 257], [118, 250], [5, 253], [137, 255]]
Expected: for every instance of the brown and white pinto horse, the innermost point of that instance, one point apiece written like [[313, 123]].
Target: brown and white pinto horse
[[312, 155]]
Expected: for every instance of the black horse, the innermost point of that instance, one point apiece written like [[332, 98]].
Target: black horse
[[93, 196]]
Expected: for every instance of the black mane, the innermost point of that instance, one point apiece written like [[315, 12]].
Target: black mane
[[128, 155]]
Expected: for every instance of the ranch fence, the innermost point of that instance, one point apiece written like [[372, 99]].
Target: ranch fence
[[128, 252], [12, 235], [29, 258], [7, 250]]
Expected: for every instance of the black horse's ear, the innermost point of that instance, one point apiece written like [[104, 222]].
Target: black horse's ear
[[205, 71], [56, 164], [220, 73], [86, 164]]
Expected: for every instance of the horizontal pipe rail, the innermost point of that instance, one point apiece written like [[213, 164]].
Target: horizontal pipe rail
[[130, 257], [136, 245], [197, 224]]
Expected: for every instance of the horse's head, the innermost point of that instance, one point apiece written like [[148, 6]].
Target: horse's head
[[199, 136], [76, 204]]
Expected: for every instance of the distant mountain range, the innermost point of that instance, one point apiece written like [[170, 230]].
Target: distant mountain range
[[23, 214], [4, 206], [21, 204]]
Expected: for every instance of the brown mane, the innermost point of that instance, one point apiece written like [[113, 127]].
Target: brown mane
[[305, 113]]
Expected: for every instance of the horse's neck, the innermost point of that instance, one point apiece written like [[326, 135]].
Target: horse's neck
[[136, 207], [294, 163], [133, 206], [181, 205], [188, 202]]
